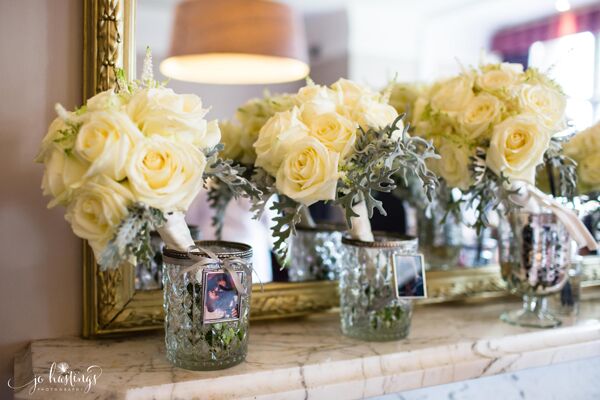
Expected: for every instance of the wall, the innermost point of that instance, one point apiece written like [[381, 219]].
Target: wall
[[40, 259]]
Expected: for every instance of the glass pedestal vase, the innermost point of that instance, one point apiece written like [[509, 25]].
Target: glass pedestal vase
[[440, 239], [369, 307], [534, 252], [206, 317], [315, 253]]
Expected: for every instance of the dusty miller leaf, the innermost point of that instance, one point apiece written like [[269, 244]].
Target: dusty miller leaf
[[229, 182], [381, 158], [288, 215], [132, 240]]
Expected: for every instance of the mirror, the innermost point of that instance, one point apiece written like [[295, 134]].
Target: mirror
[[371, 42]]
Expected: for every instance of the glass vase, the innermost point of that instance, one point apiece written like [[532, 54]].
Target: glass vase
[[566, 301], [315, 253], [369, 307], [534, 252], [206, 318], [440, 237]]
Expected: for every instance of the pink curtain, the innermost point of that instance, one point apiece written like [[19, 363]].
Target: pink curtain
[[515, 41]]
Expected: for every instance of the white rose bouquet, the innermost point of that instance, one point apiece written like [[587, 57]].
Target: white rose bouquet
[[584, 148], [492, 126], [130, 162], [237, 138], [339, 144]]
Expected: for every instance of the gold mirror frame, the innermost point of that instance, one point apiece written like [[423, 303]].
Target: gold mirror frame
[[111, 305]]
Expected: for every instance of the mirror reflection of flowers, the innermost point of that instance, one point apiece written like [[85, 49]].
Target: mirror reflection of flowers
[[338, 144], [584, 148], [130, 161], [492, 126]]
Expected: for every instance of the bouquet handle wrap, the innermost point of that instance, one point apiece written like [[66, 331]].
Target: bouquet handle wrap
[[532, 199], [175, 232], [361, 226]]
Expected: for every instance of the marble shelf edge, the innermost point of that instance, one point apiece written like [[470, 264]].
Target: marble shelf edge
[[392, 373], [375, 374]]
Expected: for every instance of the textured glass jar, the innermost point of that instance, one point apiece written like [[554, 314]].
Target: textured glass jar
[[440, 237], [534, 252], [315, 253], [191, 343], [369, 307]]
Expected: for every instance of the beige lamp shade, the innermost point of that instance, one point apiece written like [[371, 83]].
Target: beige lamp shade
[[236, 42]]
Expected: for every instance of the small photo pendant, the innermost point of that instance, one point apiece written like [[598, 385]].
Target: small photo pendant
[[221, 301], [409, 276]]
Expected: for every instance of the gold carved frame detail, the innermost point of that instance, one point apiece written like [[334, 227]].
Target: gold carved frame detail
[[111, 305]]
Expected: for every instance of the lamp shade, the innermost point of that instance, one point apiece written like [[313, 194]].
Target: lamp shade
[[236, 42]]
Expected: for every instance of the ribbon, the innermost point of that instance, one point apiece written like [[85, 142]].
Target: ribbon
[[211, 258], [531, 198], [175, 232]]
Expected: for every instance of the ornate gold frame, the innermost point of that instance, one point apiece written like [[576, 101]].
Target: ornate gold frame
[[111, 305]]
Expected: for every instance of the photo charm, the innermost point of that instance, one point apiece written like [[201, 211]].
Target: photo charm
[[221, 298], [409, 275]]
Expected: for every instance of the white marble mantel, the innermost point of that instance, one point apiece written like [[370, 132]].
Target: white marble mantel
[[310, 359]]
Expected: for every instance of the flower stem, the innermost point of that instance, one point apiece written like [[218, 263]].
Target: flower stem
[[175, 232], [361, 226], [307, 219]]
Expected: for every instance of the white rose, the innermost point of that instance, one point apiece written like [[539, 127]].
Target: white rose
[[49, 142], [309, 173], [103, 101], [166, 174], [517, 147], [348, 93], [97, 209], [419, 109], [236, 144], [62, 174], [105, 140], [403, 97], [588, 170], [315, 100], [546, 103], [453, 95], [453, 165], [277, 137], [337, 133], [503, 77], [479, 114], [369, 113], [314, 93], [160, 111], [584, 143]]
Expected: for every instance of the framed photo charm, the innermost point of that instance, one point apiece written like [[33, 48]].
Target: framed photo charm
[[220, 297], [409, 276]]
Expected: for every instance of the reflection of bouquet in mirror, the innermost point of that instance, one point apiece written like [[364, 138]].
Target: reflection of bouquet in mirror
[[238, 137], [338, 144], [491, 126], [129, 162], [584, 148]]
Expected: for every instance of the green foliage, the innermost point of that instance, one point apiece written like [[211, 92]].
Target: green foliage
[[487, 192], [66, 137], [288, 215], [132, 240], [228, 181], [266, 184], [381, 159]]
